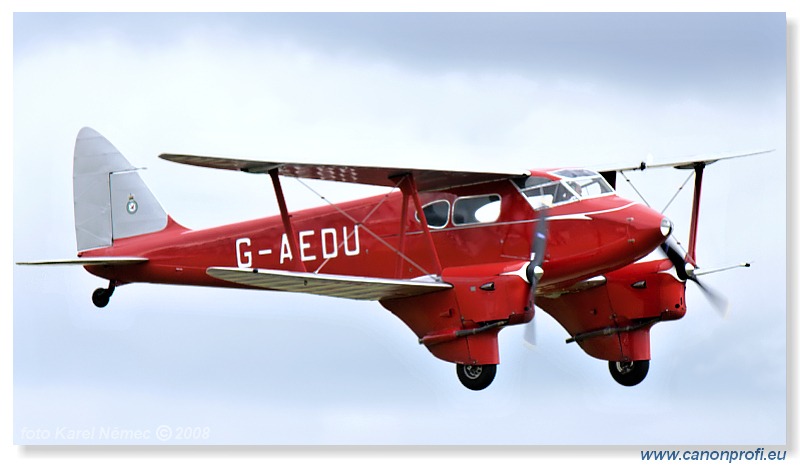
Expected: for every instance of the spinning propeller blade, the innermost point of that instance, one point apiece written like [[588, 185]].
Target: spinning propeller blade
[[719, 302], [534, 270], [529, 334], [677, 259]]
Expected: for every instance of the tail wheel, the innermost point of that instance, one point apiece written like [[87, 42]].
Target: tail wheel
[[476, 377], [629, 373], [101, 297]]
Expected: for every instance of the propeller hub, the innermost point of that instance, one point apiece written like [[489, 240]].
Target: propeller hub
[[538, 272], [534, 273]]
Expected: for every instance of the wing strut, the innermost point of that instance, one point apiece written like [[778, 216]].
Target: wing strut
[[402, 246], [409, 188], [287, 222], [698, 183]]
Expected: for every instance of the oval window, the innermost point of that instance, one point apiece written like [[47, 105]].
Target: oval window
[[436, 213], [476, 209]]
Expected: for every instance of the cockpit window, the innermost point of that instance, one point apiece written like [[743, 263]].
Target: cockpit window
[[574, 185], [575, 173], [549, 194], [590, 187]]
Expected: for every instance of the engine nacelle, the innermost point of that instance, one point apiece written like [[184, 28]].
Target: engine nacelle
[[612, 321], [460, 325]]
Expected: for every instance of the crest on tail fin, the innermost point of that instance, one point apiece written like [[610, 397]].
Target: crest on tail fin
[[111, 199]]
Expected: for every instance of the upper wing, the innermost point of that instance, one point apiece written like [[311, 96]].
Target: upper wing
[[94, 261], [426, 179], [686, 163], [331, 285]]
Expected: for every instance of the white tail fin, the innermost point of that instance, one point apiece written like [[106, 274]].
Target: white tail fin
[[111, 200]]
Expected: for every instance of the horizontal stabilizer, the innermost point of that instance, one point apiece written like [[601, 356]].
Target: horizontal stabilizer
[[93, 261], [353, 287], [426, 179]]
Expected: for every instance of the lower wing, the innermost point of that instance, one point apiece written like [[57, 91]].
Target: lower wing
[[331, 285]]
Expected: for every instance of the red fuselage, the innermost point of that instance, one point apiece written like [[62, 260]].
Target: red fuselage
[[587, 237]]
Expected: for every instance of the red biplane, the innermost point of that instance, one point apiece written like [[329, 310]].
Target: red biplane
[[457, 256]]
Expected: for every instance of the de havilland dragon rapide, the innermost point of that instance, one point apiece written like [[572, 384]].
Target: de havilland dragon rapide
[[456, 255]]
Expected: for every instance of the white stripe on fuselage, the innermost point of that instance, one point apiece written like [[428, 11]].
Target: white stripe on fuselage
[[585, 215]]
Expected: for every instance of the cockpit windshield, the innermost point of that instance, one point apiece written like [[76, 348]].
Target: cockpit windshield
[[573, 185]]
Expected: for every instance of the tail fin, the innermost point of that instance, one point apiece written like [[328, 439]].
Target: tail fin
[[111, 200]]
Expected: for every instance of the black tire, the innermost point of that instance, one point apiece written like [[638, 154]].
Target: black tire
[[476, 377], [100, 298], [629, 373]]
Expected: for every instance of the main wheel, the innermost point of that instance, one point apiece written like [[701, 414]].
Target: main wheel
[[476, 377], [100, 297], [629, 373]]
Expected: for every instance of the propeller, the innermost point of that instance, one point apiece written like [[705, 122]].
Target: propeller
[[685, 271], [534, 270]]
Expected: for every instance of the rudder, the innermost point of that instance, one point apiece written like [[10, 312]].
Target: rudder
[[111, 199]]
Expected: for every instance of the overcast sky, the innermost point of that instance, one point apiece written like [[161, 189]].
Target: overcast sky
[[472, 91]]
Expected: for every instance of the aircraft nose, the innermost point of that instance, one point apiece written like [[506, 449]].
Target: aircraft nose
[[648, 228], [666, 227]]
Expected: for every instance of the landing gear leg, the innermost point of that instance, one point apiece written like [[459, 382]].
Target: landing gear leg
[[476, 377], [100, 297], [629, 373]]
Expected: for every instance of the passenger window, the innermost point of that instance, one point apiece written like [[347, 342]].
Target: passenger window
[[476, 209], [436, 213]]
